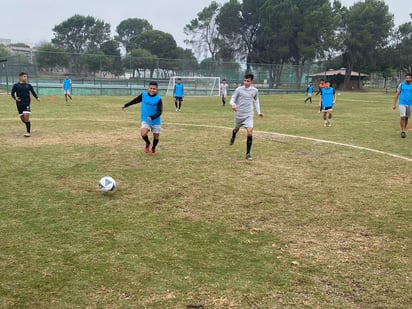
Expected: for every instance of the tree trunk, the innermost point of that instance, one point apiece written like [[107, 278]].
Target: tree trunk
[[299, 74], [348, 74]]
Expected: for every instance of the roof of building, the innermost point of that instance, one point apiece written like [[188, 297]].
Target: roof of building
[[337, 72]]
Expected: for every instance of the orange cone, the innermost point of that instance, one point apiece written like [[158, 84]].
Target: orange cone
[[52, 97]]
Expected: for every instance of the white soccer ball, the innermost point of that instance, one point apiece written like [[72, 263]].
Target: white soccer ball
[[107, 184]]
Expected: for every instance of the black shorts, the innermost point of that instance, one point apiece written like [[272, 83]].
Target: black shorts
[[179, 98], [23, 108], [327, 109]]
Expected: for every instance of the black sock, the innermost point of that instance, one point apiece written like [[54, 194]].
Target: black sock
[[180, 104], [146, 139], [155, 142], [234, 134], [176, 103], [28, 126], [249, 144]]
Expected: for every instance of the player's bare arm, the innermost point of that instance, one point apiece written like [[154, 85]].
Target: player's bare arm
[[395, 103]]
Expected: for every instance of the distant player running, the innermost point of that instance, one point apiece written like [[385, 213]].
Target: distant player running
[[404, 99], [242, 104], [178, 93], [21, 94], [150, 115], [67, 88], [224, 89], [309, 92], [322, 85], [327, 101]]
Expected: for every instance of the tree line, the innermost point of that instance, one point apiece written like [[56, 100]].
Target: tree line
[[278, 32], [269, 33]]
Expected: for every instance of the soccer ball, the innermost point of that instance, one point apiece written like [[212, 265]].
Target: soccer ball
[[107, 184]]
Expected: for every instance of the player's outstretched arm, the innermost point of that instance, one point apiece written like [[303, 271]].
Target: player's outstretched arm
[[134, 101]]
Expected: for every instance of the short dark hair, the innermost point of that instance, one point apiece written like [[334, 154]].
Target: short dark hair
[[22, 73], [179, 79], [249, 76], [322, 80], [153, 83], [223, 80], [328, 81], [409, 74]]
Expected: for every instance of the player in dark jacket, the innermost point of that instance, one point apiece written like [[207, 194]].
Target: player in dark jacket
[[21, 94]]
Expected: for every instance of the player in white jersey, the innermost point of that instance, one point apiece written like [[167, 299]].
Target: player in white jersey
[[224, 89], [242, 104]]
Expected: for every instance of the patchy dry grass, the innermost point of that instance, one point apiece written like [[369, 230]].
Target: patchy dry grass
[[305, 225]]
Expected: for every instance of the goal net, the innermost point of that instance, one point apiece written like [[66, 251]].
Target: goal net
[[196, 86]]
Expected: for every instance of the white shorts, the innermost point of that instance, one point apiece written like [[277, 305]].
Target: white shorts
[[405, 111], [309, 94], [155, 129], [246, 122], [67, 92]]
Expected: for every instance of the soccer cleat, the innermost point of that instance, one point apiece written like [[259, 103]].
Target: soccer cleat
[[325, 124], [153, 152], [147, 148], [403, 134], [27, 135], [248, 157]]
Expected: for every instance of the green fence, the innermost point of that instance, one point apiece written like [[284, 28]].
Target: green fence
[[107, 75]]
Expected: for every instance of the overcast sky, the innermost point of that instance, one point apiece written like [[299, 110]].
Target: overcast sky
[[32, 21]]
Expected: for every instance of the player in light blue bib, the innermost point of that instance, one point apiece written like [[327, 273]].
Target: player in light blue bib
[[150, 115], [67, 88], [178, 93], [404, 100], [327, 101]]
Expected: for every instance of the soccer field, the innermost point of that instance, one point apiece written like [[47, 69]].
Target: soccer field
[[321, 218]]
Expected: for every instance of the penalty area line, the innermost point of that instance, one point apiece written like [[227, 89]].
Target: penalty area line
[[311, 139]]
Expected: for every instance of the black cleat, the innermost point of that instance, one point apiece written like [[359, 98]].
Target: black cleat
[[403, 134], [248, 157]]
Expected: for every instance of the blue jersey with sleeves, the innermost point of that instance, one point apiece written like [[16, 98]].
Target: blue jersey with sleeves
[[310, 89], [178, 90], [405, 97], [328, 95]]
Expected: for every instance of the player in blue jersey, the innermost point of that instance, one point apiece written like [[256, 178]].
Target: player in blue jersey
[[67, 88], [404, 99], [327, 101], [21, 94], [150, 115], [178, 93], [309, 92]]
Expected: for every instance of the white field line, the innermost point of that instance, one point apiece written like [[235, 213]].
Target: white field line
[[303, 138], [263, 132]]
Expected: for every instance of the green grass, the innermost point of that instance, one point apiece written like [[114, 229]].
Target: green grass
[[305, 225]]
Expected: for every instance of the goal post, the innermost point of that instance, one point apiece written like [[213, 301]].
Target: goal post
[[196, 86]]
